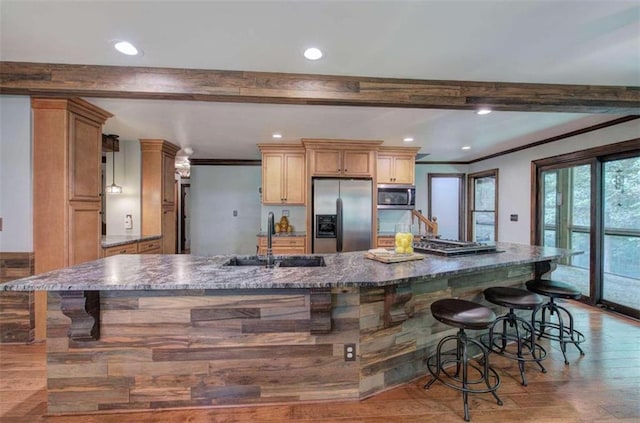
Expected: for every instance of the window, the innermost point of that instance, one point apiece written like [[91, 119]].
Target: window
[[483, 206]]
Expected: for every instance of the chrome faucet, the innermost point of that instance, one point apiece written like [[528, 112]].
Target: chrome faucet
[[271, 229]]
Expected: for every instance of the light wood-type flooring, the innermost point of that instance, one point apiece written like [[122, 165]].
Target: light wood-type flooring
[[603, 386]]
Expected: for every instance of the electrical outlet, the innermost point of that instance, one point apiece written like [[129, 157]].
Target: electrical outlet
[[128, 221], [235, 213], [285, 213], [349, 352]]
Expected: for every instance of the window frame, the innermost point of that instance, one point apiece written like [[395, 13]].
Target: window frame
[[471, 180]]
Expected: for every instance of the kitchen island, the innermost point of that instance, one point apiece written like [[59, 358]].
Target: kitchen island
[[159, 331]]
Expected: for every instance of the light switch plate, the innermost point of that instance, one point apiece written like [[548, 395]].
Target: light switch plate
[[128, 222]]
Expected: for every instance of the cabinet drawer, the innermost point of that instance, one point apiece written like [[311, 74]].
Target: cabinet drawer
[[283, 245], [386, 241], [288, 242], [121, 249], [150, 247]]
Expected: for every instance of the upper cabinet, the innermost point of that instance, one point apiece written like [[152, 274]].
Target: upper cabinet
[[341, 158], [283, 174], [396, 165]]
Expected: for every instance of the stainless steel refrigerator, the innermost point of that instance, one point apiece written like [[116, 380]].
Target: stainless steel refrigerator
[[342, 217]]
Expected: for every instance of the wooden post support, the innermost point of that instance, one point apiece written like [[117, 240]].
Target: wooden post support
[[395, 301]]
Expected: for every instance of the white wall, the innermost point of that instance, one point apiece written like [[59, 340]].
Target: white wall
[[216, 191], [514, 179], [16, 182], [128, 176]]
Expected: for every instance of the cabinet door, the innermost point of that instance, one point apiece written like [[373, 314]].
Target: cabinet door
[[357, 163], [327, 162], [385, 169], [294, 180], [84, 231], [272, 178], [169, 230], [168, 179], [85, 145], [404, 170]]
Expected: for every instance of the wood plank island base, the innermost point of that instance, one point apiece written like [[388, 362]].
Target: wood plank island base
[[166, 331]]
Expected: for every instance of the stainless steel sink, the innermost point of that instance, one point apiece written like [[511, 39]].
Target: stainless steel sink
[[311, 261], [247, 261], [293, 261]]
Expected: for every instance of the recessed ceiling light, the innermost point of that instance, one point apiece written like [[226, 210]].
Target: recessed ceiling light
[[466, 147], [483, 111], [126, 47], [408, 139], [313, 53], [276, 136]]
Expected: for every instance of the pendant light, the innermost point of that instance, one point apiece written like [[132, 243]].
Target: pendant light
[[113, 188]]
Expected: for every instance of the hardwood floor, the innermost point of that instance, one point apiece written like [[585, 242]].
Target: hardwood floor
[[603, 386]]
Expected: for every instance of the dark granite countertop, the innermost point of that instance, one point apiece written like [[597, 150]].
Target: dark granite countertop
[[158, 272], [114, 240]]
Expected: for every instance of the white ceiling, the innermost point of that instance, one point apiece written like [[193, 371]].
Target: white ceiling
[[574, 42]]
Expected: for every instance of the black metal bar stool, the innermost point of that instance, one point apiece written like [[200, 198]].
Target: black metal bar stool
[[516, 340], [463, 315], [555, 331]]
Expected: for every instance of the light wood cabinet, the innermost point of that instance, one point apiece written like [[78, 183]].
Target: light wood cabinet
[[341, 158], [67, 157], [396, 165], [282, 245], [159, 192], [283, 174]]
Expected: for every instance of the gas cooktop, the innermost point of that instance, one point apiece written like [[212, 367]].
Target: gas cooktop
[[449, 247]]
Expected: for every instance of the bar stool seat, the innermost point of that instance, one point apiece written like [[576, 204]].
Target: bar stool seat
[[556, 331], [517, 341], [463, 314]]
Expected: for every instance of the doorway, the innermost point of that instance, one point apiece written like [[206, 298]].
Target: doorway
[[446, 203], [185, 221]]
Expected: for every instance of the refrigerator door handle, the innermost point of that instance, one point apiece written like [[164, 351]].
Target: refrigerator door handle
[[339, 225]]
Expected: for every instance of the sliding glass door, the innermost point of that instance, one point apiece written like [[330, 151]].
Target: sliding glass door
[[590, 201], [621, 248]]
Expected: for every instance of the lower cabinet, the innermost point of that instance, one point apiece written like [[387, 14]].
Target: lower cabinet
[[282, 245]]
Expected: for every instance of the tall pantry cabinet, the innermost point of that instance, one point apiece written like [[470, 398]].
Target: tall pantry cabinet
[[159, 214], [67, 163]]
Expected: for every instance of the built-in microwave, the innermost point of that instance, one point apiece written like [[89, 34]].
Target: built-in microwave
[[398, 197]]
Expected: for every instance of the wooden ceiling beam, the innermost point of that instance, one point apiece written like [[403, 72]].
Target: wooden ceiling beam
[[43, 79]]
